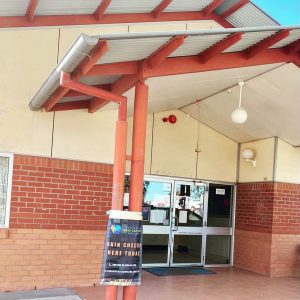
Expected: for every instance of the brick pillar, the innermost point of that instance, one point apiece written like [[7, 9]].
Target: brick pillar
[[267, 237]]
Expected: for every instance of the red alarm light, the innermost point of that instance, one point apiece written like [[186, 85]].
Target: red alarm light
[[172, 119], [165, 119]]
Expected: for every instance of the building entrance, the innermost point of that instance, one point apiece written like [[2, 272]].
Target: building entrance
[[186, 223]]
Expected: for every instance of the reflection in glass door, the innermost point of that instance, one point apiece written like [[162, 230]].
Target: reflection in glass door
[[187, 225], [156, 211]]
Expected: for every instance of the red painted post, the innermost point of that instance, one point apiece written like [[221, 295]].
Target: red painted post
[[137, 161]]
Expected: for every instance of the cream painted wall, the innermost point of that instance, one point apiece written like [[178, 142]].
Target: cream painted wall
[[218, 157], [264, 150], [288, 163], [26, 59], [82, 136], [174, 150], [174, 145]]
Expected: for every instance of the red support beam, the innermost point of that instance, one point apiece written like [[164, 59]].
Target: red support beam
[[266, 43], [293, 47], [124, 84], [163, 52], [128, 81], [96, 104], [191, 64], [160, 8], [220, 47], [86, 64], [72, 93], [212, 6], [68, 82], [234, 8], [100, 11], [32, 6], [82, 104], [66, 20], [118, 68]]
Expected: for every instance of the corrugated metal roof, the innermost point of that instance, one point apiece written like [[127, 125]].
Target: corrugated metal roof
[[73, 7], [138, 46], [294, 36], [247, 16], [131, 6], [190, 5], [250, 16], [132, 49], [95, 80], [13, 7], [194, 45], [249, 39]]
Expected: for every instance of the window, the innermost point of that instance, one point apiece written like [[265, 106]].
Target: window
[[6, 165]]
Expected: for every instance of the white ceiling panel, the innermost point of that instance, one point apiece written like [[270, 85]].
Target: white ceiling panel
[[272, 101], [173, 92], [294, 36]]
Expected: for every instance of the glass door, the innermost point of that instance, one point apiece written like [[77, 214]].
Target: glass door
[[156, 211], [188, 223]]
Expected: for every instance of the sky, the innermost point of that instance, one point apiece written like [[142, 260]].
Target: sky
[[286, 12]]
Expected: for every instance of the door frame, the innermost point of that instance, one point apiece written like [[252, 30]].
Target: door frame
[[207, 230], [199, 231]]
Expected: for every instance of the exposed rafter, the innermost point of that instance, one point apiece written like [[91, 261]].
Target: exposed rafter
[[100, 11], [211, 7], [293, 47], [96, 104], [220, 47], [160, 8], [32, 6], [234, 8], [86, 64], [72, 105], [65, 20], [127, 81], [71, 93], [162, 53], [266, 43]]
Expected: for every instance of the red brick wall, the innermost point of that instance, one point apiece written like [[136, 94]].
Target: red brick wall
[[267, 237], [286, 208], [59, 194], [254, 207]]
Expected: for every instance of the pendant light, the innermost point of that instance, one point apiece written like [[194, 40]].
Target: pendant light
[[239, 115]]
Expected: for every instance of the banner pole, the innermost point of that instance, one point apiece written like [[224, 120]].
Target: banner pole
[[137, 161]]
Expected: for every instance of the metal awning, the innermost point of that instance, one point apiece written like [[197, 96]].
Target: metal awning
[[228, 13], [115, 62]]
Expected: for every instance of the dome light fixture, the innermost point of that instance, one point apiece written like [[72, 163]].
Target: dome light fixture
[[249, 155], [239, 115]]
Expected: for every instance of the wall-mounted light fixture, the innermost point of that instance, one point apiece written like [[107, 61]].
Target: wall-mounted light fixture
[[249, 155], [239, 115]]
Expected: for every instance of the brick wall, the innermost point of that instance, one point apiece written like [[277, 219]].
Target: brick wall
[[43, 258], [267, 237], [286, 208], [254, 207], [57, 223], [59, 194]]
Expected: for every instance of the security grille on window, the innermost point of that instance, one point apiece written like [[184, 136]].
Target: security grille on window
[[6, 161]]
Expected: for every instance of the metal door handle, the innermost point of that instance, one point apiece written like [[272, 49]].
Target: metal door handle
[[175, 224]]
